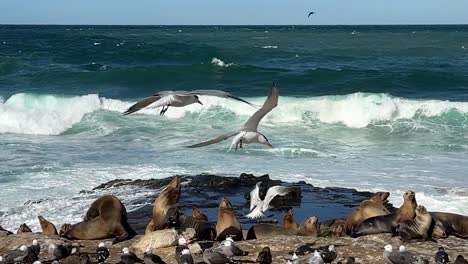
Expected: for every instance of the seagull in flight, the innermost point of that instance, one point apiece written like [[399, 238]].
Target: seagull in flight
[[257, 206], [248, 133], [311, 13], [165, 99]]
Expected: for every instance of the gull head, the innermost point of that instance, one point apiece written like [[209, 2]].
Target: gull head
[[388, 248], [264, 140], [102, 245], [125, 251], [402, 248]]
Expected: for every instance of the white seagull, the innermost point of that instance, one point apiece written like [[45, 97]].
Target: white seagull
[[257, 206], [248, 133], [178, 99]]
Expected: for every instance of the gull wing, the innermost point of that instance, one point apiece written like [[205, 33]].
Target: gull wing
[[255, 197], [141, 104], [272, 192], [213, 141], [221, 94], [271, 102], [256, 213]]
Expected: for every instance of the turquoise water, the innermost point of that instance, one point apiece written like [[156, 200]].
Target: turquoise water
[[372, 108]]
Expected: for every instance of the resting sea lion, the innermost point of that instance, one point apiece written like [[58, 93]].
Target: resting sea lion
[[418, 228], [375, 225], [288, 220], [308, 227], [24, 228], [47, 227], [227, 224], [333, 227], [168, 198], [450, 224], [198, 214], [388, 223], [203, 229], [374, 206], [406, 211], [109, 221]]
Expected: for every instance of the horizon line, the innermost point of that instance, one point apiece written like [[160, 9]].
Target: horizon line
[[53, 24]]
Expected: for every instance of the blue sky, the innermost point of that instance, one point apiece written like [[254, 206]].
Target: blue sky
[[225, 12]]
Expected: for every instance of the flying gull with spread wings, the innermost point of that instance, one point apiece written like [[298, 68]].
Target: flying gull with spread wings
[[165, 99], [248, 133]]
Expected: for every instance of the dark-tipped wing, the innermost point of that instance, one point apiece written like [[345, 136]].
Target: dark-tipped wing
[[271, 102], [310, 13], [222, 94], [142, 104], [213, 141]]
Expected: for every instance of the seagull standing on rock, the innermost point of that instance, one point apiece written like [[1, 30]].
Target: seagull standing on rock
[[185, 257], [150, 258], [102, 253], [400, 257], [230, 248], [165, 99], [128, 257], [258, 206], [316, 258], [248, 133], [264, 257], [294, 259], [211, 256], [441, 256], [328, 254]]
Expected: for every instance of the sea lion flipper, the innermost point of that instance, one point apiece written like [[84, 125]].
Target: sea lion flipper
[[120, 238]]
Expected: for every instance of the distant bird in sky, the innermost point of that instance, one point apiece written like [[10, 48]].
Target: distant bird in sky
[[311, 13]]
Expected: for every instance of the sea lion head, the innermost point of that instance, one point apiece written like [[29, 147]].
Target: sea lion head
[[42, 221], [380, 196], [338, 231], [409, 196], [439, 231], [24, 228], [175, 183], [172, 216], [310, 224], [225, 203], [288, 213], [64, 230], [421, 210]]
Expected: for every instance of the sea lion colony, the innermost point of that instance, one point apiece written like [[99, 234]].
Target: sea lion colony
[[107, 218]]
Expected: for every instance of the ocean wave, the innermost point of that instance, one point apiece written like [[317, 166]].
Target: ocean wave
[[220, 63], [44, 114], [53, 115], [269, 47]]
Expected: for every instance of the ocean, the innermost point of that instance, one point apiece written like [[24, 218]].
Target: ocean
[[366, 107]]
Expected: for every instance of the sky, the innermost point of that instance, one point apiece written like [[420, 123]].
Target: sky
[[233, 12]]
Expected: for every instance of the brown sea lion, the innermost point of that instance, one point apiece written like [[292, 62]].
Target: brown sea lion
[[308, 227], [198, 214], [374, 206], [406, 212], [166, 199], [227, 223], [24, 228], [150, 227], [288, 220], [333, 227], [450, 224], [111, 221], [203, 229], [439, 230], [47, 227], [388, 223], [418, 228]]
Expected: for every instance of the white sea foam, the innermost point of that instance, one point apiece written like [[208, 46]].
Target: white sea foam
[[220, 63], [269, 47], [44, 114], [53, 115]]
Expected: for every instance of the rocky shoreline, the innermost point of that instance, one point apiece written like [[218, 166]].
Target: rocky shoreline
[[204, 191]]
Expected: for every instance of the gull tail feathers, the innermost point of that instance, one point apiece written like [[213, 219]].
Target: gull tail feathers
[[256, 213]]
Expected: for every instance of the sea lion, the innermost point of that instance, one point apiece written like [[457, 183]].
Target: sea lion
[[333, 228], [109, 221], [47, 227], [203, 229], [24, 228], [308, 227], [198, 214], [388, 223], [150, 227], [406, 211], [288, 220], [375, 225], [166, 199], [374, 206], [450, 224], [227, 224], [418, 228]]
